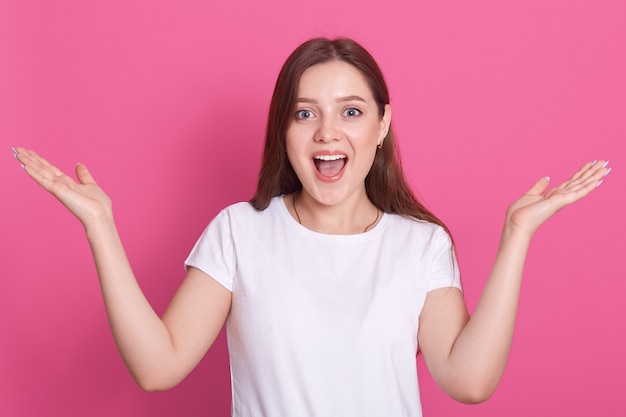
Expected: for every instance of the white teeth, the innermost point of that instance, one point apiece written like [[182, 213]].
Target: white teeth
[[329, 157]]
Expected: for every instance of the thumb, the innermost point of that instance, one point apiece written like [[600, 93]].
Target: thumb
[[83, 174], [540, 186]]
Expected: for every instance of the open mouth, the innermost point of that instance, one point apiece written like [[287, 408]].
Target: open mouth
[[329, 166]]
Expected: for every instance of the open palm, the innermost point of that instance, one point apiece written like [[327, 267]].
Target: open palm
[[536, 206], [85, 199]]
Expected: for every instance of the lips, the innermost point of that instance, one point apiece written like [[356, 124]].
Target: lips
[[329, 167]]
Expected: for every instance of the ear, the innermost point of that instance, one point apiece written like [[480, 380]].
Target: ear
[[385, 124]]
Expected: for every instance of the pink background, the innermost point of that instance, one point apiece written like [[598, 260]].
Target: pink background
[[166, 101]]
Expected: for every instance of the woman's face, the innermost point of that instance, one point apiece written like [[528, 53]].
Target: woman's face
[[336, 126]]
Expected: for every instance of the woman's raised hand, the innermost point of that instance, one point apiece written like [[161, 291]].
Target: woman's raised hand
[[537, 205], [85, 199]]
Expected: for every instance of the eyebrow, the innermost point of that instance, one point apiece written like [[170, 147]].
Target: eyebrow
[[338, 99]]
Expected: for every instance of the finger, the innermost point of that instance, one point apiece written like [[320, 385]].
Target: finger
[[577, 191], [594, 171], [32, 157], [41, 171], [578, 174], [581, 191], [83, 174], [540, 186], [592, 175], [590, 172], [581, 186], [590, 169]]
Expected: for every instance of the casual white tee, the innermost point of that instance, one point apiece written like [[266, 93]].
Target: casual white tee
[[323, 325]]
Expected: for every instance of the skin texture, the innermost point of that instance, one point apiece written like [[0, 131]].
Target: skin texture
[[466, 356], [335, 114], [159, 352]]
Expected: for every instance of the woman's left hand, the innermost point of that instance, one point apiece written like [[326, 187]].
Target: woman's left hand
[[536, 206]]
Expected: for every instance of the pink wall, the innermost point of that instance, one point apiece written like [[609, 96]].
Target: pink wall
[[165, 101]]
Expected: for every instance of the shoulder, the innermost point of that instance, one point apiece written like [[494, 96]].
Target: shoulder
[[240, 208], [243, 216], [399, 222], [412, 233], [245, 209]]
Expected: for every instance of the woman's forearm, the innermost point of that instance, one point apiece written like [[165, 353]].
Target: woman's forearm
[[482, 348], [467, 356], [158, 352], [140, 335]]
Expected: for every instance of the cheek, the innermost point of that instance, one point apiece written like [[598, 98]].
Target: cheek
[[297, 140], [366, 135], [295, 151], [294, 137], [366, 144], [290, 144]]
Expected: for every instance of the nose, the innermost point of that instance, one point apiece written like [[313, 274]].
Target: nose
[[327, 130]]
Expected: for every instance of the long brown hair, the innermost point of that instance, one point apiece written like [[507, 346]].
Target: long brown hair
[[385, 184]]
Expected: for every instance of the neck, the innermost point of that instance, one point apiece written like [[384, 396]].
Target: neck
[[347, 218]]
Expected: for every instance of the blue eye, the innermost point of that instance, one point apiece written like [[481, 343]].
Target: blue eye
[[304, 114], [352, 112]]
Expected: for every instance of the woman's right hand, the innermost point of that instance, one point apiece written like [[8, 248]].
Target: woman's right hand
[[85, 199], [158, 353]]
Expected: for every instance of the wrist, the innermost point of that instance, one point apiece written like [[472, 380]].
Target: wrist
[[99, 224], [515, 232]]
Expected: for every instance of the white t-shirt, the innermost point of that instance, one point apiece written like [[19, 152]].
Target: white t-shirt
[[323, 325]]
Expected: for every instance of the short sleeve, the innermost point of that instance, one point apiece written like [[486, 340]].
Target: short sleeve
[[444, 270], [214, 252]]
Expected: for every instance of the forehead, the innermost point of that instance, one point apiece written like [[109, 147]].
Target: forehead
[[334, 79]]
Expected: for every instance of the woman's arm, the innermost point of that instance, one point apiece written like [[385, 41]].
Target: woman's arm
[[158, 352], [467, 356]]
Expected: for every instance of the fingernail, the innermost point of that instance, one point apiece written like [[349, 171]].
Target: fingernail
[[14, 150], [548, 178], [605, 164], [23, 167], [607, 172], [594, 162], [599, 182]]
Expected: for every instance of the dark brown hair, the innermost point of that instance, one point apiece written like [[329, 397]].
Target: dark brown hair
[[385, 184]]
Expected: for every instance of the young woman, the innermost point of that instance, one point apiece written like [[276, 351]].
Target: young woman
[[331, 275]]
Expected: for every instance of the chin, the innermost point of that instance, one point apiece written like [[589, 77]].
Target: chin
[[330, 197]]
